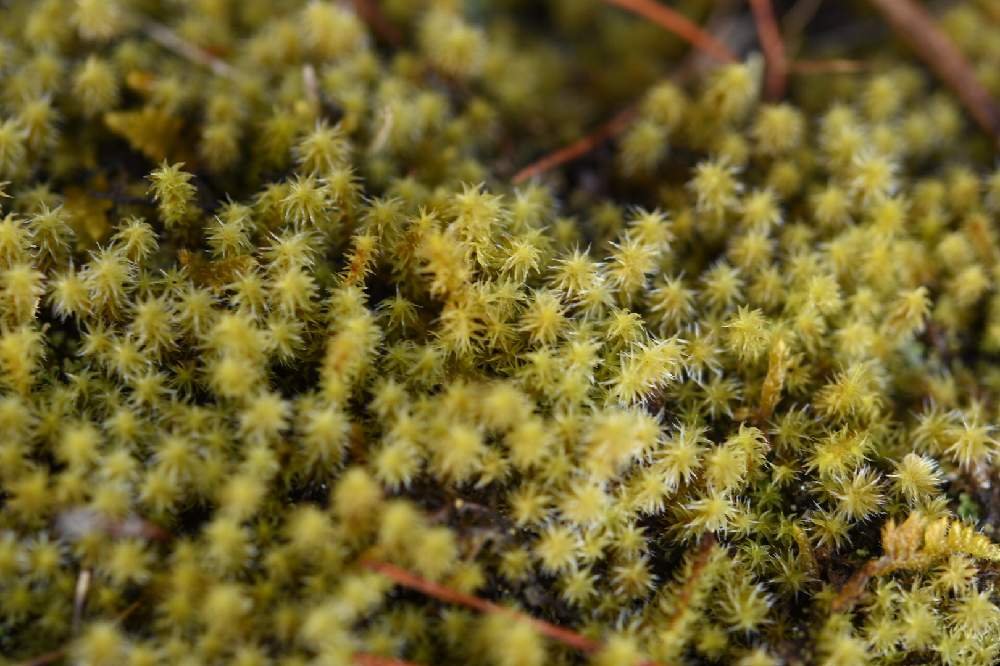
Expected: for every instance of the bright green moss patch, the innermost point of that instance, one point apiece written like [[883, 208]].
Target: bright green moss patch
[[278, 335]]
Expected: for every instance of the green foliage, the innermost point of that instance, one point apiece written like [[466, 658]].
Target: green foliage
[[271, 312]]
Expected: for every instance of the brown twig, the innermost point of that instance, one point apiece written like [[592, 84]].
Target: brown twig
[[904, 546], [917, 28], [440, 592], [773, 47], [679, 25], [855, 586], [578, 148], [448, 595], [722, 27]]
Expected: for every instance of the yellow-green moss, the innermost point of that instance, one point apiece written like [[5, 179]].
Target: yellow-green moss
[[724, 390]]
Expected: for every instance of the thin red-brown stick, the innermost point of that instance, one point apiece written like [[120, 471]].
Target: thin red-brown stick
[[773, 47], [617, 124], [448, 595], [855, 586], [403, 577], [678, 24], [917, 28], [578, 148]]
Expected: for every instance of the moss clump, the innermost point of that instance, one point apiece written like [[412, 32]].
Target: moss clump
[[277, 333]]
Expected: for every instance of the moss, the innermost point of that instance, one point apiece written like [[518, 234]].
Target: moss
[[279, 336]]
